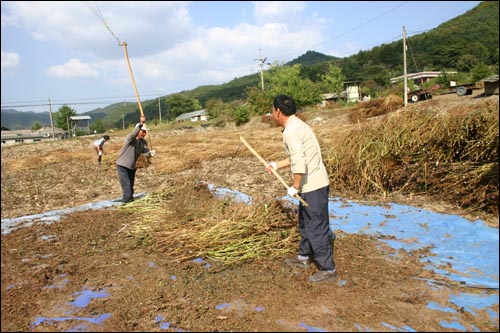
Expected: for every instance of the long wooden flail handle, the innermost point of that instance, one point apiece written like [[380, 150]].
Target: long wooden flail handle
[[124, 44], [273, 171], [132, 77]]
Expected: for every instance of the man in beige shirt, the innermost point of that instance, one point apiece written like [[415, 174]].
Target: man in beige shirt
[[311, 182]]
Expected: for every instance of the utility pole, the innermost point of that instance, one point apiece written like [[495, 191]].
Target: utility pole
[[51, 122], [159, 108], [261, 64], [405, 94], [67, 123]]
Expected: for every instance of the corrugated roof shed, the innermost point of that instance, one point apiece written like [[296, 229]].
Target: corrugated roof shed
[[189, 115]]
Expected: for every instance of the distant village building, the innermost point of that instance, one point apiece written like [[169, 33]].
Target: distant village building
[[350, 94], [194, 116], [328, 99], [352, 91], [80, 124], [29, 136]]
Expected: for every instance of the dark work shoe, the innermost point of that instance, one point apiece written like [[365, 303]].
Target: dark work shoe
[[321, 276], [298, 263]]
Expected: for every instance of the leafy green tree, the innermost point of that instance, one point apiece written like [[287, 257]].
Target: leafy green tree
[[287, 80], [377, 73], [178, 104], [241, 115], [333, 80], [371, 88], [62, 116], [97, 126], [214, 108], [479, 72], [259, 102], [466, 62], [229, 111], [443, 78], [36, 127], [196, 104]]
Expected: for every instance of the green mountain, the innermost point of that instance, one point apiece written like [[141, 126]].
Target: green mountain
[[14, 120], [114, 115], [311, 58]]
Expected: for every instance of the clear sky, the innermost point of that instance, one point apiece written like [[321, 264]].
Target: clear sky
[[69, 51]]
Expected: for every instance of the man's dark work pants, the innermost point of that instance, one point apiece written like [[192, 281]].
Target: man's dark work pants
[[126, 177], [314, 227]]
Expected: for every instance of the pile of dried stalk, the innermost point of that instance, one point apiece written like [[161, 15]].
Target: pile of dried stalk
[[185, 221], [450, 155]]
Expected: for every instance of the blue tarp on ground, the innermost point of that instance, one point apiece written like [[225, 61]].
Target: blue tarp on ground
[[464, 251]]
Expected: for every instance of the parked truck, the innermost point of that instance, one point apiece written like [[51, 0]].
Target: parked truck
[[419, 94], [463, 89]]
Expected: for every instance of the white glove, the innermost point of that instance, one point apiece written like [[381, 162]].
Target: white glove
[[152, 153], [271, 165], [143, 126], [292, 191]]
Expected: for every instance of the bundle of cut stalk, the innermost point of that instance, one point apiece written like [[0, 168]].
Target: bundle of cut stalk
[[220, 229], [232, 236]]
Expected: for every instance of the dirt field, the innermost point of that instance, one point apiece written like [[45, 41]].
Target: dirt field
[[86, 273]]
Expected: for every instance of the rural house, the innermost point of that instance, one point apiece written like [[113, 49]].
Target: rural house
[[29, 136], [350, 94], [80, 124], [199, 115]]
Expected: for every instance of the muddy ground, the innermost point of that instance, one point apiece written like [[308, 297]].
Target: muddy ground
[[87, 273]]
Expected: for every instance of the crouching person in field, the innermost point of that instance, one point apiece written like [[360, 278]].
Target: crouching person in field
[[99, 146]]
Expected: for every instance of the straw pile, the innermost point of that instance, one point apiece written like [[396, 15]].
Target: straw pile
[[185, 221], [375, 107], [450, 155]]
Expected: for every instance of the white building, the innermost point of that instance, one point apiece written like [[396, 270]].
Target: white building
[[199, 115], [29, 136]]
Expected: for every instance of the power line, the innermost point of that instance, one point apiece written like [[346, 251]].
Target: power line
[[31, 105], [79, 101], [396, 37], [355, 28]]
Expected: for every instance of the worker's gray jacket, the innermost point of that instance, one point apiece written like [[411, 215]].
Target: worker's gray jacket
[[131, 149]]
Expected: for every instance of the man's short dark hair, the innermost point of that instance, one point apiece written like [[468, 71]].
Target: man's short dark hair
[[286, 104]]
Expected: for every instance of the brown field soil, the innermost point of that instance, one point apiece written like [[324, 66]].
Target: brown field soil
[[47, 269]]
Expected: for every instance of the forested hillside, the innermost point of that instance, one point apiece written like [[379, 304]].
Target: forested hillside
[[12, 119]]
